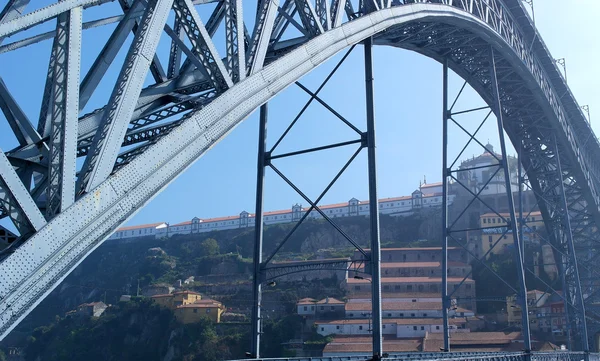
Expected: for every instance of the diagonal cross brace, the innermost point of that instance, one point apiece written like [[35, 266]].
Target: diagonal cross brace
[[17, 201], [202, 44]]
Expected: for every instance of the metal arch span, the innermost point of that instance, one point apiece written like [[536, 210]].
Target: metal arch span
[[36, 267]]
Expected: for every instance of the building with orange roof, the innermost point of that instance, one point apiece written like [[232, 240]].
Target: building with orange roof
[[142, 230], [194, 312], [173, 300]]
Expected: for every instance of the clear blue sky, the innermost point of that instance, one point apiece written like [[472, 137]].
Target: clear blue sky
[[408, 116]]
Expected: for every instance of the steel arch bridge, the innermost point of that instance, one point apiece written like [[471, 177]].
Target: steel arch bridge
[[144, 137]]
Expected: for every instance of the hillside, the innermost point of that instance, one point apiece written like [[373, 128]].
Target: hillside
[[118, 268]]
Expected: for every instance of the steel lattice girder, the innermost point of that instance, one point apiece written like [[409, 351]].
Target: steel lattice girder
[[40, 264]]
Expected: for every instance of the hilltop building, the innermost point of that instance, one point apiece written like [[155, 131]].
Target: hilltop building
[[428, 195]]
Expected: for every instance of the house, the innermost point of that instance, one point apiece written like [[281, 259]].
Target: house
[[465, 291], [93, 309], [306, 307], [329, 308], [190, 307], [394, 309], [400, 327], [172, 300], [193, 312], [496, 239]]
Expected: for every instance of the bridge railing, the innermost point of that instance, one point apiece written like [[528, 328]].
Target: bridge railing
[[464, 356]]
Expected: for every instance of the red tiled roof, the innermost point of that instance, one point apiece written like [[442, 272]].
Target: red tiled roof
[[397, 321], [306, 301], [428, 185], [392, 295], [365, 344], [394, 306], [141, 226], [330, 300]]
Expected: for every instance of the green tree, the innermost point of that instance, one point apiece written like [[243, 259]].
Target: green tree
[[210, 247]]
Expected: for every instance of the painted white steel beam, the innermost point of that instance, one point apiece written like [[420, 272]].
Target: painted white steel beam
[[12, 10], [39, 16], [261, 35], [107, 141], [13, 190]]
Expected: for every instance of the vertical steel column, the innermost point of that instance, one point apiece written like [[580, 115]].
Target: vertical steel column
[[520, 177], [445, 173], [511, 206], [258, 233], [373, 204], [573, 259]]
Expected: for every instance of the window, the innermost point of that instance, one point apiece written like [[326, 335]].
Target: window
[[386, 288], [337, 327], [322, 308], [305, 308], [401, 315], [437, 327], [422, 328], [360, 327], [468, 287], [357, 288], [383, 326], [415, 328], [195, 310], [409, 288], [493, 220], [484, 220], [322, 328], [424, 315], [397, 287], [332, 308], [208, 310], [412, 315]]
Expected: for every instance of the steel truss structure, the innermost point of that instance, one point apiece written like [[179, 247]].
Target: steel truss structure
[[144, 137]]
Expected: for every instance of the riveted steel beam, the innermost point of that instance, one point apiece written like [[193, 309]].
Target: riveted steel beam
[[107, 141], [65, 109]]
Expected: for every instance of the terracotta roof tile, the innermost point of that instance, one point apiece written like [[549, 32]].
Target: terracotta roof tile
[[331, 301], [397, 321], [395, 306], [141, 226], [394, 295]]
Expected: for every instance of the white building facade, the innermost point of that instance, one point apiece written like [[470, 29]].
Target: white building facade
[[428, 195]]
